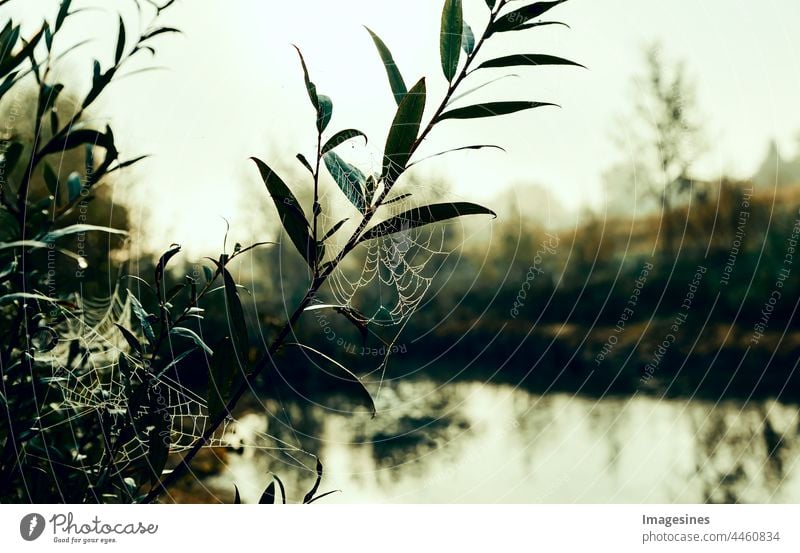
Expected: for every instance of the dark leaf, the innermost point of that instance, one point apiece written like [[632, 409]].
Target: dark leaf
[[475, 147], [120, 42], [237, 500], [236, 320], [74, 186], [420, 216], [450, 38], [341, 137], [130, 338], [268, 497], [305, 163], [323, 495], [281, 486], [223, 371], [192, 335], [351, 180], [403, 133], [310, 86], [310, 495], [392, 71], [144, 319], [289, 210], [334, 229], [399, 198], [527, 59], [158, 31], [490, 109], [10, 62], [538, 24], [51, 180], [520, 16], [11, 157], [347, 376], [467, 39], [208, 273], [491, 3], [161, 266], [80, 228], [325, 112], [351, 314], [63, 11], [77, 138]]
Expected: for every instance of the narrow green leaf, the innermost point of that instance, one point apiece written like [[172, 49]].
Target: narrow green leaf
[[162, 265], [325, 112], [192, 335], [302, 159], [310, 495], [158, 31], [450, 38], [310, 86], [236, 320], [346, 377], [358, 319], [475, 147], [527, 59], [491, 109], [403, 133], [334, 229], [223, 370], [350, 179], [420, 216], [467, 39], [340, 138], [133, 342], [535, 24], [491, 3], [74, 186], [396, 81], [513, 19], [282, 488], [77, 138], [63, 11], [120, 42], [11, 157], [80, 228], [323, 496], [291, 214], [268, 497], [143, 317], [399, 198], [51, 180]]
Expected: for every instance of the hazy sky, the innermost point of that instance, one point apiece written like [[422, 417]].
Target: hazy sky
[[232, 88]]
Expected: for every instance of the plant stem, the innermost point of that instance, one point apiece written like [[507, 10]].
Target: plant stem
[[319, 279]]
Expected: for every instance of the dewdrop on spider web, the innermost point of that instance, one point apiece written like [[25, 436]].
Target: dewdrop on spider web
[[92, 384]]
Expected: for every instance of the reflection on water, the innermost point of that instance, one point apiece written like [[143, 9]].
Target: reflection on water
[[470, 442]]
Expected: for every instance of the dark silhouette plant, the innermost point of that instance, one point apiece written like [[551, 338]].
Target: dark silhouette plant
[[118, 448]]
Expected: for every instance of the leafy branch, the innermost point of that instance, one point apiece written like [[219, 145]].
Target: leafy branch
[[368, 194]]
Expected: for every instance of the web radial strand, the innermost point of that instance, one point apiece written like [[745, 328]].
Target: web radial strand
[[392, 273], [90, 384]]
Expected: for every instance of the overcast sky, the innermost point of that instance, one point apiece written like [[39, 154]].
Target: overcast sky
[[233, 88]]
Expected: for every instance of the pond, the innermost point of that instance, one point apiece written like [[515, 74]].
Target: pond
[[483, 443]]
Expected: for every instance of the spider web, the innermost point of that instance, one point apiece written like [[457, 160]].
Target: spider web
[[92, 384]]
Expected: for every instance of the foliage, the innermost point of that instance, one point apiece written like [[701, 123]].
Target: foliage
[[151, 335]]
